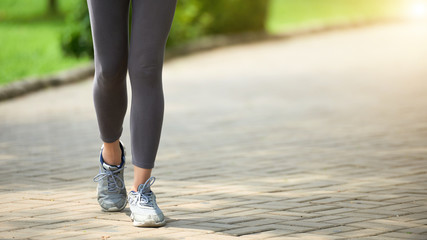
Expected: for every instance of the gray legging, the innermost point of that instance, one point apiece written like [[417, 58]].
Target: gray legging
[[151, 23]]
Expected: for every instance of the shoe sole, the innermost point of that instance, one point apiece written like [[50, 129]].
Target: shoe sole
[[113, 209], [147, 223]]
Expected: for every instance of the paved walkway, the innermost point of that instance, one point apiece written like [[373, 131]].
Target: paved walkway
[[317, 137]]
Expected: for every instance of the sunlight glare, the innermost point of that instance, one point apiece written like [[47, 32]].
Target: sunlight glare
[[418, 9]]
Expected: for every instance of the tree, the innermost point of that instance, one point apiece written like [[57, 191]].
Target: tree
[[53, 6]]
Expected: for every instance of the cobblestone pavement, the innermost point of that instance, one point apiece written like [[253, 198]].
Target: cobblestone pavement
[[317, 137]]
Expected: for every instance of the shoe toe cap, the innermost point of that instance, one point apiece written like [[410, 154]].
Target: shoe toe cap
[[149, 216], [112, 204]]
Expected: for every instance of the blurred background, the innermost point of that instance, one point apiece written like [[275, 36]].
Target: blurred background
[[39, 37]]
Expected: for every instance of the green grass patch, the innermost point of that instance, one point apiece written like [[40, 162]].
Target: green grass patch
[[30, 39], [286, 15], [18, 10], [32, 49]]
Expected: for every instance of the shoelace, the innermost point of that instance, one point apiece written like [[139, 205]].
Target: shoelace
[[111, 178], [144, 198]]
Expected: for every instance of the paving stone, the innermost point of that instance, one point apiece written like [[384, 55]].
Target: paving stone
[[346, 220], [418, 230], [310, 236], [249, 230], [361, 233], [268, 234], [402, 235], [376, 225], [333, 230]]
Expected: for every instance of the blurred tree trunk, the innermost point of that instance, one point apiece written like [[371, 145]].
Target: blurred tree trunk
[[53, 6]]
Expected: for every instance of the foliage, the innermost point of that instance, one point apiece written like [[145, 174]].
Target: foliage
[[76, 39], [29, 39], [196, 18], [188, 22], [193, 19]]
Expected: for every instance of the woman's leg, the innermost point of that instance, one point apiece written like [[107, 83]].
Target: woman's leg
[[151, 23], [109, 25]]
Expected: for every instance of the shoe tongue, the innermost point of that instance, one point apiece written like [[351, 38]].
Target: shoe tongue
[[109, 167]]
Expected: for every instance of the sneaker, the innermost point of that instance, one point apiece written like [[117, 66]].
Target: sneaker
[[143, 206], [111, 186]]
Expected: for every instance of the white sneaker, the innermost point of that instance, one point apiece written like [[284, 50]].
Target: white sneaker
[[143, 206]]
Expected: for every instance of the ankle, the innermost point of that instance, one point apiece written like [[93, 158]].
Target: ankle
[[112, 153], [114, 162]]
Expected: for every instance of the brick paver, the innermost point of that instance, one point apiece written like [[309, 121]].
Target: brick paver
[[316, 137]]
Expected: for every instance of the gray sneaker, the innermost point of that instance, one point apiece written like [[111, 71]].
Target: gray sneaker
[[143, 206], [111, 186]]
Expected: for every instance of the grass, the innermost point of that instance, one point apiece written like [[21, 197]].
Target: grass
[[29, 38], [286, 15], [32, 49]]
